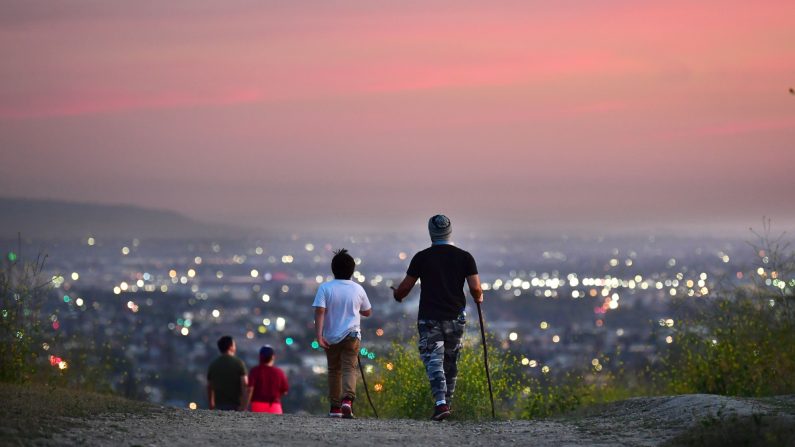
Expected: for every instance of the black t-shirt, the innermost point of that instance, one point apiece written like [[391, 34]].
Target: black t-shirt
[[443, 270], [224, 374]]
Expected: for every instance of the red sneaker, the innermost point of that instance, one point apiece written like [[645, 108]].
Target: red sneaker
[[440, 412], [335, 412], [347, 408]]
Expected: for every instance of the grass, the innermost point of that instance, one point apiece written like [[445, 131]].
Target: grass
[[33, 412]]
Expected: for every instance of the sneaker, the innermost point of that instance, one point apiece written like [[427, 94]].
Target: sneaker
[[347, 408], [440, 412], [335, 412]]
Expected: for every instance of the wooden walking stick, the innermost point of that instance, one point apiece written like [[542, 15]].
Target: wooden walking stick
[[486, 359], [364, 382]]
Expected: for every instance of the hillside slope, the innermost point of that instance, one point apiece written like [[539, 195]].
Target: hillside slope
[[45, 417]]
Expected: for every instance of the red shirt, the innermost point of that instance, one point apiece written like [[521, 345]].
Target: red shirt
[[269, 383]]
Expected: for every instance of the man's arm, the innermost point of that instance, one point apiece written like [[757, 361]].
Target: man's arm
[[320, 314], [250, 394], [474, 288], [210, 395], [404, 288], [366, 313], [245, 394], [285, 383]]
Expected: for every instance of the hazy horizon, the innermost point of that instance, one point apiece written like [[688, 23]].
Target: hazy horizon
[[619, 116], [483, 227]]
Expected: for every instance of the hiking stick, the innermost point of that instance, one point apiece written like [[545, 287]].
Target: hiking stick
[[364, 382], [486, 359]]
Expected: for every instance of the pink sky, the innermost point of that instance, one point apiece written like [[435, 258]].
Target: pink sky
[[522, 114]]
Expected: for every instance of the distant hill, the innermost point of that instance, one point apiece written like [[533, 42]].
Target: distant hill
[[52, 219]]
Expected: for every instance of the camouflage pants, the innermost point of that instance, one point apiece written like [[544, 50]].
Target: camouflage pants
[[440, 347]]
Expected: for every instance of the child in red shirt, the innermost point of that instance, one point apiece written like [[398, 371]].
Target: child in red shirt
[[266, 384]]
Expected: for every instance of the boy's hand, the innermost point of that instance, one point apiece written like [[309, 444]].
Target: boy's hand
[[323, 343]]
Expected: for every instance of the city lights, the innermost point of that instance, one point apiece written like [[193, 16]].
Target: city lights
[[597, 309]]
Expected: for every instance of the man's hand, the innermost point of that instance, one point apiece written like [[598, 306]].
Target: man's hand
[[210, 395], [394, 294], [403, 289], [474, 288], [323, 343]]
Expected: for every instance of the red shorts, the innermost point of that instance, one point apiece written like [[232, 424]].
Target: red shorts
[[265, 407]]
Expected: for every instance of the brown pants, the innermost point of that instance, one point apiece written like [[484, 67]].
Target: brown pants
[[342, 370]]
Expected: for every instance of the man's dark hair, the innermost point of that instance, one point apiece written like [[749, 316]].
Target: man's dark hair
[[342, 264], [224, 343]]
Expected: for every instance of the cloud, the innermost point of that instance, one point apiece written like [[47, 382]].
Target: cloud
[[90, 103], [747, 127]]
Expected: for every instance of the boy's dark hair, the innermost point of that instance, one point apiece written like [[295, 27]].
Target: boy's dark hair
[[224, 343], [342, 264], [266, 354]]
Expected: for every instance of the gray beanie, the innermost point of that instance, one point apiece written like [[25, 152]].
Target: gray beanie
[[440, 228]]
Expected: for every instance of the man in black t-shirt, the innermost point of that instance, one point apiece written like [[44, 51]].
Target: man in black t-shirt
[[226, 379], [442, 268]]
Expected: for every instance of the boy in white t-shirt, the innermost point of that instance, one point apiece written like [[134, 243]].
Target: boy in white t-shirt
[[338, 305]]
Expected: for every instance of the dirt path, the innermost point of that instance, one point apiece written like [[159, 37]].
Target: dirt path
[[636, 422]]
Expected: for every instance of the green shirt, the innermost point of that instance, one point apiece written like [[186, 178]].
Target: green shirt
[[224, 374]]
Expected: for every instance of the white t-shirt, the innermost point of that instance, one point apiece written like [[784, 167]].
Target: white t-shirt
[[342, 299]]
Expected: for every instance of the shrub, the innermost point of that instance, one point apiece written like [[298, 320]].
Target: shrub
[[22, 294], [403, 390], [740, 343], [738, 348]]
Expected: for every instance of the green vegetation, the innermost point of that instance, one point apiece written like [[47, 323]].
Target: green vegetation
[[402, 390], [22, 294], [34, 347], [399, 387], [741, 342]]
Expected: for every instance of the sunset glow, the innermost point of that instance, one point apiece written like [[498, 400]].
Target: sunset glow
[[281, 114]]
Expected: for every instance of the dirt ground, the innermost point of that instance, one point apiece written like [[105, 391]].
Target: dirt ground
[[676, 420]]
